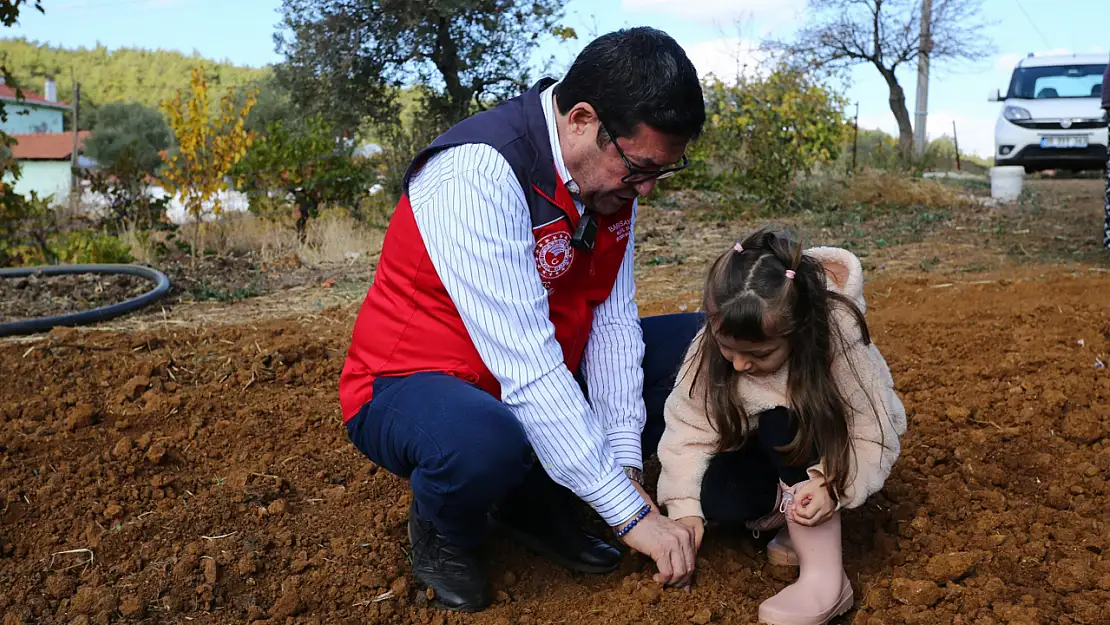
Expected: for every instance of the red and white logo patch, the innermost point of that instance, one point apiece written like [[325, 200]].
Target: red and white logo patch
[[554, 255]]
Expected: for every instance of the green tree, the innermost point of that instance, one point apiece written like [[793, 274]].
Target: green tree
[[9, 10], [348, 58], [763, 131], [140, 131], [304, 160]]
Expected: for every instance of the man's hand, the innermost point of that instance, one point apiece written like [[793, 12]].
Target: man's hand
[[668, 543], [812, 504]]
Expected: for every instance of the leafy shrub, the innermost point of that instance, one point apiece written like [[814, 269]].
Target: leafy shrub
[[763, 132], [302, 159], [89, 247], [26, 223]]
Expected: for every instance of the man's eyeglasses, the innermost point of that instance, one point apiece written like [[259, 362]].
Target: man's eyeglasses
[[637, 175]]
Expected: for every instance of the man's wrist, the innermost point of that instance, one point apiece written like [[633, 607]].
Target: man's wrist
[[635, 474], [626, 527]]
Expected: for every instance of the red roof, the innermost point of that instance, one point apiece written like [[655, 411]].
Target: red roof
[[7, 92], [47, 146]]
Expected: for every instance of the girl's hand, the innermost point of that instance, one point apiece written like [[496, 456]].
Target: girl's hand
[[696, 525], [812, 504]]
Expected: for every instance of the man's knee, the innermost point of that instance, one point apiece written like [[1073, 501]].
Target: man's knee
[[494, 459]]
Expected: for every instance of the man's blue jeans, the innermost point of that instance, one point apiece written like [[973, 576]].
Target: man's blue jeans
[[463, 451]]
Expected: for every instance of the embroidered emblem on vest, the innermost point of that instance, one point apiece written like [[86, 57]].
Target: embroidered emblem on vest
[[554, 255], [621, 229]]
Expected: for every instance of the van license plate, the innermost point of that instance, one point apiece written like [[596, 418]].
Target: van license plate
[[1064, 141]]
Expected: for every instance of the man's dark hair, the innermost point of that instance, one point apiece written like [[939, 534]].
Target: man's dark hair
[[633, 76]]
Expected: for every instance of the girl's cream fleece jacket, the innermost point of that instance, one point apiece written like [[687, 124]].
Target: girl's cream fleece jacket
[[877, 416]]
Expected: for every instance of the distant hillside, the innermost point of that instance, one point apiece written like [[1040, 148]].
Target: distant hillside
[[122, 75]]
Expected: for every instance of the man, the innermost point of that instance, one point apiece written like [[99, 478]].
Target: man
[[500, 347], [1106, 107]]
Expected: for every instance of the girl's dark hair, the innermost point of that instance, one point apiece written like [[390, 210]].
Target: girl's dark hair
[[749, 297]]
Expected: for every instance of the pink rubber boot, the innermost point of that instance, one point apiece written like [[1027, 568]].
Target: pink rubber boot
[[822, 591]]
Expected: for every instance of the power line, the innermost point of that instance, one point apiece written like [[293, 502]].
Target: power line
[[1033, 24]]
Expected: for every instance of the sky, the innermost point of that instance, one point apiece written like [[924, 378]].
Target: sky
[[714, 33]]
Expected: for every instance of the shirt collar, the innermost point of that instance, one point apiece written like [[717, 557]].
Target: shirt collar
[[548, 101]]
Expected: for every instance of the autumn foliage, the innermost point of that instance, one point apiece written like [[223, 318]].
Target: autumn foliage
[[208, 145]]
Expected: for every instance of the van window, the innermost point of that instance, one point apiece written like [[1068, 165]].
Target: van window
[[1059, 81]]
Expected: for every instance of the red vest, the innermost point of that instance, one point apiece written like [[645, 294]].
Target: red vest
[[409, 324]]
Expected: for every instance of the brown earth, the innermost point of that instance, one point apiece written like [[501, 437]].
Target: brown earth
[[42, 296], [200, 473]]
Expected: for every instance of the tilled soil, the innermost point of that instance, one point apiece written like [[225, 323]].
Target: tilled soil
[[203, 475], [38, 295]]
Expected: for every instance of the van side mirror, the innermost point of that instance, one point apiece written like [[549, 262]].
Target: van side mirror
[[994, 96]]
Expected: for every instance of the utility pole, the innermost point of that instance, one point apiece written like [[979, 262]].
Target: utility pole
[[956, 141], [74, 178], [855, 140], [926, 47]]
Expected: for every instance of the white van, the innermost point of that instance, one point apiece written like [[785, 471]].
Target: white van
[[1052, 116]]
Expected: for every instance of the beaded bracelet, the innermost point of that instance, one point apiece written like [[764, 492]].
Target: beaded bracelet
[[631, 524]]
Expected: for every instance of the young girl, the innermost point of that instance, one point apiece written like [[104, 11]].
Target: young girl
[[784, 358]]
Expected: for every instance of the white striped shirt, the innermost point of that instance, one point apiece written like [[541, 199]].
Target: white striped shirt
[[474, 220]]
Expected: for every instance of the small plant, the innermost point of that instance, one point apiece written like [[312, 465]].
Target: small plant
[[205, 292], [667, 260], [89, 247]]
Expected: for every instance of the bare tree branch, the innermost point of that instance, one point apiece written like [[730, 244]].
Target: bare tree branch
[[887, 35]]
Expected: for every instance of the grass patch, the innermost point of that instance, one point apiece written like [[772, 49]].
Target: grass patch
[[667, 260], [205, 292], [892, 189], [333, 237]]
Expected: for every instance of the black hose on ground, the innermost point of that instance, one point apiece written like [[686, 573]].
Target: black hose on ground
[[42, 324]]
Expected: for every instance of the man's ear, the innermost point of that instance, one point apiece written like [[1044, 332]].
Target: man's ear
[[582, 118]]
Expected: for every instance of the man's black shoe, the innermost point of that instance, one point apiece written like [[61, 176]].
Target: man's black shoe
[[560, 539], [454, 573]]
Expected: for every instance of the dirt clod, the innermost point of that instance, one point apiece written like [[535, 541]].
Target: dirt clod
[[952, 566], [210, 571], [1070, 575], [122, 448], [133, 388], [81, 416], [132, 606], [920, 593], [702, 616], [59, 586]]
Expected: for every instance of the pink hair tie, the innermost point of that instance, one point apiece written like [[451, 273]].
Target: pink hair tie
[[789, 274], [739, 248]]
